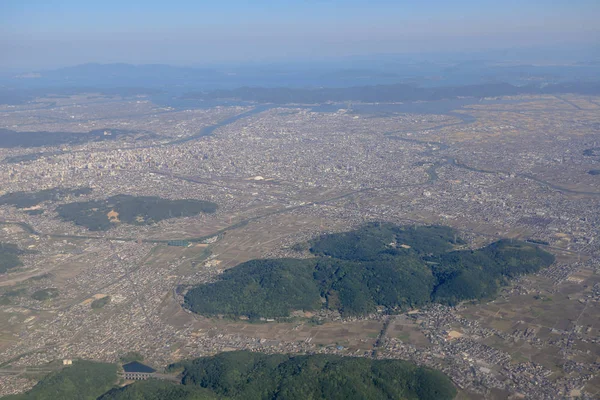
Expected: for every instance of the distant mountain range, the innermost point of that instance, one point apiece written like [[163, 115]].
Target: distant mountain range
[[120, 74], [389, 93], [355, 80], [377, 70]]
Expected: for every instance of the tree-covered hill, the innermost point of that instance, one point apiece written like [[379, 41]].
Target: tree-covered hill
[[243, 375], [84, 380], [101, 215], [476, 274], [374, 240], [260, 288], [31, 199], [397, 267], [9, 257], [159, 390]]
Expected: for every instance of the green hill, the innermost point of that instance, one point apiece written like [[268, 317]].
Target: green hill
[[374, 240], [245, 375], [101, 215], [31, 199], [9, 257], [397, 267], [159, 390], [242, 375], [84, 380], [269, 288]]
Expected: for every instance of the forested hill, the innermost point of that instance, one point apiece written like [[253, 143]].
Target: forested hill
[[84, 380], [101, 215], [242, 375], [9, 257], [378, 265]]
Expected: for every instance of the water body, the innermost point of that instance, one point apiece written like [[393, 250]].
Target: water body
[[445, 107], [43, 106], [204, 132], [593, 152], [176, 101], [428, 107], [208, 131], [435, 147], [432, 146], [432, 170]]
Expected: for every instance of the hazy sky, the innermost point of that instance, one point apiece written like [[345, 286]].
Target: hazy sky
[[49, 33]]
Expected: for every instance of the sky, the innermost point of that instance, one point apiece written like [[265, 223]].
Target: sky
[[38, 34]]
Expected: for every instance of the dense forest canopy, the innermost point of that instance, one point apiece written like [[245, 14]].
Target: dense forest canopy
[[246, 375], [84, 380], [45, 294], [380, 264], [32, 199], [242, 375], [9, 257], [101, 302], [159, 390], [100, 215], [373, 241]]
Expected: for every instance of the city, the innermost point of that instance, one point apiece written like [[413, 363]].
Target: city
[[505, 167]]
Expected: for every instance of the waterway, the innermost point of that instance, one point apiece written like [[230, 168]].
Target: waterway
[[433, 150], [204, 132], [209, 130]]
